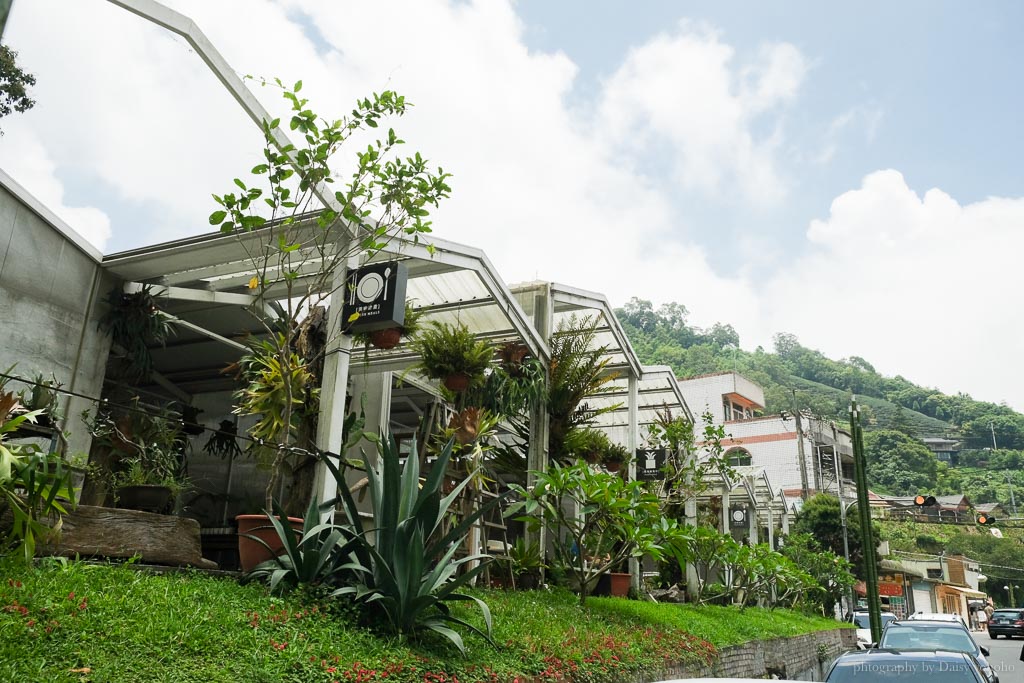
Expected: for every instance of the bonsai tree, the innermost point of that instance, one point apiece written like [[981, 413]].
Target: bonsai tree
[[596, 519], [144, 447], [452, 354], [296, 233]]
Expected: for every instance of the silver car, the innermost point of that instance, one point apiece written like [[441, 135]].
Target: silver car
[[918, 634]]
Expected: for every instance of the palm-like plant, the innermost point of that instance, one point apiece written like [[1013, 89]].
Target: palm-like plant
[[578, 371], [405, 566]]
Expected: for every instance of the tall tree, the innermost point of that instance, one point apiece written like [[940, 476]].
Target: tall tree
[[14, 84], [821, 518]]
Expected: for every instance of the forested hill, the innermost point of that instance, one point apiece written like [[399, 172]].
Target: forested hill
[[794, 376]]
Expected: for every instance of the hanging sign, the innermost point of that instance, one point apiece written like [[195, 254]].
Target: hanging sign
[[649, 462], [377, 293]]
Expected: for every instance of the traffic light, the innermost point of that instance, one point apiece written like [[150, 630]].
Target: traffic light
[[986, 519], [923, 501]]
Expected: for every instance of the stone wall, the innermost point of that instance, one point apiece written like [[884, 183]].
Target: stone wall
[[804, 658]]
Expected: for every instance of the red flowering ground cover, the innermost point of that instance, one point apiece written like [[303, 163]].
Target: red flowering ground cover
[[93, 624]]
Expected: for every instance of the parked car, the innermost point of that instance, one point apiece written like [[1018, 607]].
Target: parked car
[[948, 635], [939, 616], [1006, 622], [906, 666], [863, 622]]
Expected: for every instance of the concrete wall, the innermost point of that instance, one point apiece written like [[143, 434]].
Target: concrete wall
[[800, 658], [50, 281]]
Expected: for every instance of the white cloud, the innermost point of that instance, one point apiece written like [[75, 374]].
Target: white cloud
[[27, 160], [546, 189], [921, 286], [681, 91]]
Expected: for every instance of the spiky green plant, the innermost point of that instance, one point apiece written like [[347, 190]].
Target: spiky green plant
[[315, 556], [405, 565]]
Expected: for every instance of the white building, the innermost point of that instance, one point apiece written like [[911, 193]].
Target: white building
[[801, 454]]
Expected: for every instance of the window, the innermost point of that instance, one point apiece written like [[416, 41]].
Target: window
[[738, 458]]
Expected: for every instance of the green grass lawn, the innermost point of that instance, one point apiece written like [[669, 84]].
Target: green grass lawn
[[92, 623]]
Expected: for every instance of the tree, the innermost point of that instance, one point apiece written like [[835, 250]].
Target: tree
[[820, 518], [296, 235], [14, 83], [899, 463]]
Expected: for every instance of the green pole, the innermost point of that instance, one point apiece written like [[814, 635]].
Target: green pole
[[867, 539]]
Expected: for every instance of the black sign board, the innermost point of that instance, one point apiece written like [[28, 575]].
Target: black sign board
[[377, 293], [649, 462]]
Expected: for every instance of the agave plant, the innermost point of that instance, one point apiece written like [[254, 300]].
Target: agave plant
[[405, 566], [315, 556]]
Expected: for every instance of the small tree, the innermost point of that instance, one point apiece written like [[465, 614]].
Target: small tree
[[296, 234], [597, 519]]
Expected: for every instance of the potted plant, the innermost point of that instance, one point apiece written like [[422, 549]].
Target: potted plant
[[133, 321], [615, 456], [587, 444], [525, 564], [452, 354], [142, 467], [389, 337], [42, 399]]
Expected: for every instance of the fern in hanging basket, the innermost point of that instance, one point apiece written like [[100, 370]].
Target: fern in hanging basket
[[134, 321], [452, 353], [390, 337]]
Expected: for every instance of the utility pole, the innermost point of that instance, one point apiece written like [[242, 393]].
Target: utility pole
[[867, 538], [992, 427], [1013, 501], [804, 490]]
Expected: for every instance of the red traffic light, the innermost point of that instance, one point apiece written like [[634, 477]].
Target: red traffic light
[[986, 519], [924, 501]]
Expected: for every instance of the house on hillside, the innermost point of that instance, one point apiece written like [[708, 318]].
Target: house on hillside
[[801, 454], [952, 509], [945, 450]]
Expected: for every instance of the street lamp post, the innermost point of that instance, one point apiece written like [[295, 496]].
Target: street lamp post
[[1010, 588]]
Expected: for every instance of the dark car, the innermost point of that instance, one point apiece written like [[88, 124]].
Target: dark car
[[1006, 622], [905, 666], [948, 636]]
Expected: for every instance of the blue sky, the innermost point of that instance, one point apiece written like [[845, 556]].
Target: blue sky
[[847, 173]]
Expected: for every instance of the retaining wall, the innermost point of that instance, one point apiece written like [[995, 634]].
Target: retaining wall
[[804, 658]]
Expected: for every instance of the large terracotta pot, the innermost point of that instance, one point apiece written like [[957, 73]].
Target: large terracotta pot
[[252, 553], [619, 584]]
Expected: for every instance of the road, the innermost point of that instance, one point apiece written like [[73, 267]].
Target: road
[[1005, 657]]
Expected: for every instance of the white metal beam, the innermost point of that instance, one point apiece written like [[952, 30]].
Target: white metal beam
[[189, 294]]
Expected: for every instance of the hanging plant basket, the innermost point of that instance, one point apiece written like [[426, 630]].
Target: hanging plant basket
[[387, 338], [613, 466], [458, 382]]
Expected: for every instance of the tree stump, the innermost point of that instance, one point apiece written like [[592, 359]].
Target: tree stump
[[115, 533]]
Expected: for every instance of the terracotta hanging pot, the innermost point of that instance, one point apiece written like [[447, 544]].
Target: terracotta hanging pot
[[386, 339], [614, 466], [458, 382]]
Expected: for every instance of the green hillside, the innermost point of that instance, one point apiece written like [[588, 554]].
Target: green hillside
[[896, 412]]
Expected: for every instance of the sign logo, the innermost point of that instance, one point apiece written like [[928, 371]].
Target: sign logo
[[377, 293], [649, 462]]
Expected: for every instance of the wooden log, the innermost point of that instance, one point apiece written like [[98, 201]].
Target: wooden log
[[90, 531]]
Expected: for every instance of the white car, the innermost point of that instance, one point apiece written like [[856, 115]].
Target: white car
[[936, 616], [863, 622]]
